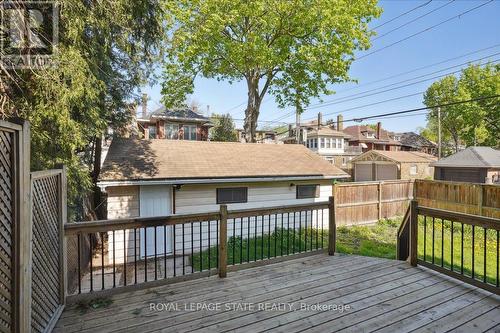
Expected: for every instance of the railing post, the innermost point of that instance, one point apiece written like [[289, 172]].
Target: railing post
[[379, 206], [332, 227], [223, 242], [62, 238], [413, 232]]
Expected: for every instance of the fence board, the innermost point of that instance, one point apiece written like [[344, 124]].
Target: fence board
[[367, 202], [468, 198]]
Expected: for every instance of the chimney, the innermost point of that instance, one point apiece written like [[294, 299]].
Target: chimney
[[144, 105], [379, 129], [340, 123], [320, 119]]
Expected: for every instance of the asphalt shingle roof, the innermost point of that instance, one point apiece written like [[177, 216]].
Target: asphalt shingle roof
[[473, 157], [135, 159]]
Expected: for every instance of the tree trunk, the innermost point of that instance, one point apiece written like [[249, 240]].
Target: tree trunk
[[253, 108]]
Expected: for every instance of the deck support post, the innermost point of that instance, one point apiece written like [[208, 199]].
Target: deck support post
[[223, 242], [332, 227], [413, 232]]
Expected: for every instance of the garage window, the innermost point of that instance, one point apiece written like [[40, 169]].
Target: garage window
[[307, 191], [413, 170], [232, 195]]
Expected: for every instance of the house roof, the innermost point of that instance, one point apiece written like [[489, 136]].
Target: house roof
[[179, 114], [415, 140], [472, 157], [399, 156], [326, 131], [356, 133], [157, 159]]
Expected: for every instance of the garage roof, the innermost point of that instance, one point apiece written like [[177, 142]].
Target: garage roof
[[472, 157], [160, 159], [397, 156]]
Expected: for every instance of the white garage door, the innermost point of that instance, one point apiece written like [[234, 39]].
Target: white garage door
[[363, 172], [387, 171], [155, 200]]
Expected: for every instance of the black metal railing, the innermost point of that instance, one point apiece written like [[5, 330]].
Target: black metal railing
[[460, 245], [134, 251], [129, 252]]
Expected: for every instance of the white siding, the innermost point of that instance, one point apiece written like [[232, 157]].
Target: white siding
[[190, 199]]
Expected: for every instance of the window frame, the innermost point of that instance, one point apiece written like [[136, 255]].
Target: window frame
[[316, 194], [190, 128], [411, 170], [151, 132], [220, 202], [176, 137]]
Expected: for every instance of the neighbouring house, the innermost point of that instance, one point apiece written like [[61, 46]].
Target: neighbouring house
[[261, 136], [332, 146], [371, 139], [411, 141], [473, 165], [327, 141], [173, 124], [162, 177], [386, 165]]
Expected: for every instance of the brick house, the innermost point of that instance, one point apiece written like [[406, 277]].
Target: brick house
[[372, 139], [174, 124]]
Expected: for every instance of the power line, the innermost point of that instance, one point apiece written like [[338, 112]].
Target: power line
[[403, 14], [414, 20], [418, 69], [368, 94], [425, 30], [422, 108], [354, 96], [398, 113]]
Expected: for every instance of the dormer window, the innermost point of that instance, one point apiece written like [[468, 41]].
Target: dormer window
[[397, 138], [370, 135]]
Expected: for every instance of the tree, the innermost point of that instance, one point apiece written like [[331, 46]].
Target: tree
[[473, 123], [105, 52], [290, 49], [223, 129]]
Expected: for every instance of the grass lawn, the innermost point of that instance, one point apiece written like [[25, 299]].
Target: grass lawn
[[378, 240]]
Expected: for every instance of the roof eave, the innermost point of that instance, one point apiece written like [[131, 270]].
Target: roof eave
[[172, 181]]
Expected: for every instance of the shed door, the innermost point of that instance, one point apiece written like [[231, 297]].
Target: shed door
[[155, 200], [387, 171], [363, 172]]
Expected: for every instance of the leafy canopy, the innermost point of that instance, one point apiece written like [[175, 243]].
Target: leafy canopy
[[106, 50], [475, 123], [291, 49], [223, 129]]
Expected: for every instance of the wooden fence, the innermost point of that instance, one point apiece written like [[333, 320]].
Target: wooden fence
[[48, 207], [468, 198], [15, 229], [368, 202]]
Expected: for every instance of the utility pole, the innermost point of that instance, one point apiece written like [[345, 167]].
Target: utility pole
[[297, 125], [439, 133]]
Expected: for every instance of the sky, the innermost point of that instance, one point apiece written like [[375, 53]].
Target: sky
[[468, 38]]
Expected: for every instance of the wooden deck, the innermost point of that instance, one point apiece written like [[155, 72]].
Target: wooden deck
[[360, 294]]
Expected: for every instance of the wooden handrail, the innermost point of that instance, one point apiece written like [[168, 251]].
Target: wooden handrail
[[141, 222], [482, 221], [136, 222]]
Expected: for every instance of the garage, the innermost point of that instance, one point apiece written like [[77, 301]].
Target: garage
[[363, 172], [376, 165], [387, 171]]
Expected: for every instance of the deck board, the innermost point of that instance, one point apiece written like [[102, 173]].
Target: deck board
[[383, 295]]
